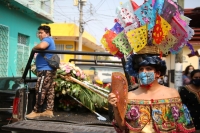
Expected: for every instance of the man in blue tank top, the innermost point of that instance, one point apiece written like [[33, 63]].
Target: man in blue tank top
[[45, 85]]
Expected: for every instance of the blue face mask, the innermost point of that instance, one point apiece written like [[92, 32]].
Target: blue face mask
[[146, 78]]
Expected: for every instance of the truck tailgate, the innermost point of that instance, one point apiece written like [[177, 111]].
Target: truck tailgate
[[35, 126]]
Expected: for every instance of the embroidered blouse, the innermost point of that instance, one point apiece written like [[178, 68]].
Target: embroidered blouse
[[157, 116], [191, 98]]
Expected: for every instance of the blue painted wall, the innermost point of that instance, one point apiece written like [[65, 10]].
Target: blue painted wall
[[17, 22]]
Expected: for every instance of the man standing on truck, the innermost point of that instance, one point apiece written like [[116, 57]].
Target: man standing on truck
[[45, 86]]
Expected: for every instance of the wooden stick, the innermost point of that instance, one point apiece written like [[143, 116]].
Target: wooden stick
[[72, 79]]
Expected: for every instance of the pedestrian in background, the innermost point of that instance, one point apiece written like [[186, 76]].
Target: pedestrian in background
[[190, 95], [186, 74], [44, 86]]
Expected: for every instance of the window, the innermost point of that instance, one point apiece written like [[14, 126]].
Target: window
[[22, 53], [60, 47], [23, 39], [4, 37]]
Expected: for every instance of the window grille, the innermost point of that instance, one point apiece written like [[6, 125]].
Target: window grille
[[4, 37], [23, 39], [22, 53]]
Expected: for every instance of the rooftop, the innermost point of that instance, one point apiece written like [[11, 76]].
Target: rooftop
[[194, 23]]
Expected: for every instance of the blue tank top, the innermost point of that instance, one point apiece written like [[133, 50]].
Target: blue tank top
[[41, 63]]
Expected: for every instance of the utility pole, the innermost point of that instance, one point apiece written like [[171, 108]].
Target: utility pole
[[81, 27], [178, 61]]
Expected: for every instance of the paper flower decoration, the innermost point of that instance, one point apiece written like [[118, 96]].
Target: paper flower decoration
[[125, 14], [117, 28], [138, 38], [191, 48], [122, 43], [161, 29], [134, 5], [157, 6], [179, 33], [109, 36], [167, 43], [131, 27], [169, 11], [145, 14], [103, 41], [157, 23]]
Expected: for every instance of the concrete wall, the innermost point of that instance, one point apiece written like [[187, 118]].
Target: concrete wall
[[18, 23], [170, 61], [72, 47]]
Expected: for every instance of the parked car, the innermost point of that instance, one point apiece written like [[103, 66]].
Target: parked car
[[76, 120]]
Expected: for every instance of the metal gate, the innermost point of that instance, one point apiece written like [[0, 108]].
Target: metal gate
[[4, 36]]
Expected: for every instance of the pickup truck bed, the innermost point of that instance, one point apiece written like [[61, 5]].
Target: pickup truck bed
[[35, 126], [63, 122]]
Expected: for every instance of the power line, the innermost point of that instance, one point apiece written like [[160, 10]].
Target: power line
[[105, 15], [107, 10], [109, 7], [100, 5], [59, 12]]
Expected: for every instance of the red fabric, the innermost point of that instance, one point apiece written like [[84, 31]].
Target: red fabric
[[161, 54]]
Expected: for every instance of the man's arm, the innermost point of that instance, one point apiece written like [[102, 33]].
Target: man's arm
[[43, 45]]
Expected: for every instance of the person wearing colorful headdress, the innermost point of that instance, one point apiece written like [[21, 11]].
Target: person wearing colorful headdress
[[152, 108]]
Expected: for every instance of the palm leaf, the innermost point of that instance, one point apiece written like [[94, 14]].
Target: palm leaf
[[85, 98]]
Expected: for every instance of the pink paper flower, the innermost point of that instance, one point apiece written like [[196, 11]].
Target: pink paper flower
[[78, 73], [68, 70], [82, 76]]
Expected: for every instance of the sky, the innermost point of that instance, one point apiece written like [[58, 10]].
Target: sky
[[97, 14]]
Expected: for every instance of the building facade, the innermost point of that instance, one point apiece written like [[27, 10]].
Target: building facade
[[66, 37], [19, 21]]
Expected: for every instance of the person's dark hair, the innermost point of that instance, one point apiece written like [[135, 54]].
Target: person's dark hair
[[186, 72], [46, 29], [136, 61], [194, 72]]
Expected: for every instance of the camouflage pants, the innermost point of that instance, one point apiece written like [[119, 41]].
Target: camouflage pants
[[45, 89]]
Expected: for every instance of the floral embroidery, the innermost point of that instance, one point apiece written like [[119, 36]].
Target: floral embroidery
[[156, 115], [133, 113], [165, 115], [175, 112], [187, 114]]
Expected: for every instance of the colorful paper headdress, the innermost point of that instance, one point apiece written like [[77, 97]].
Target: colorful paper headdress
[[159, 23]]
